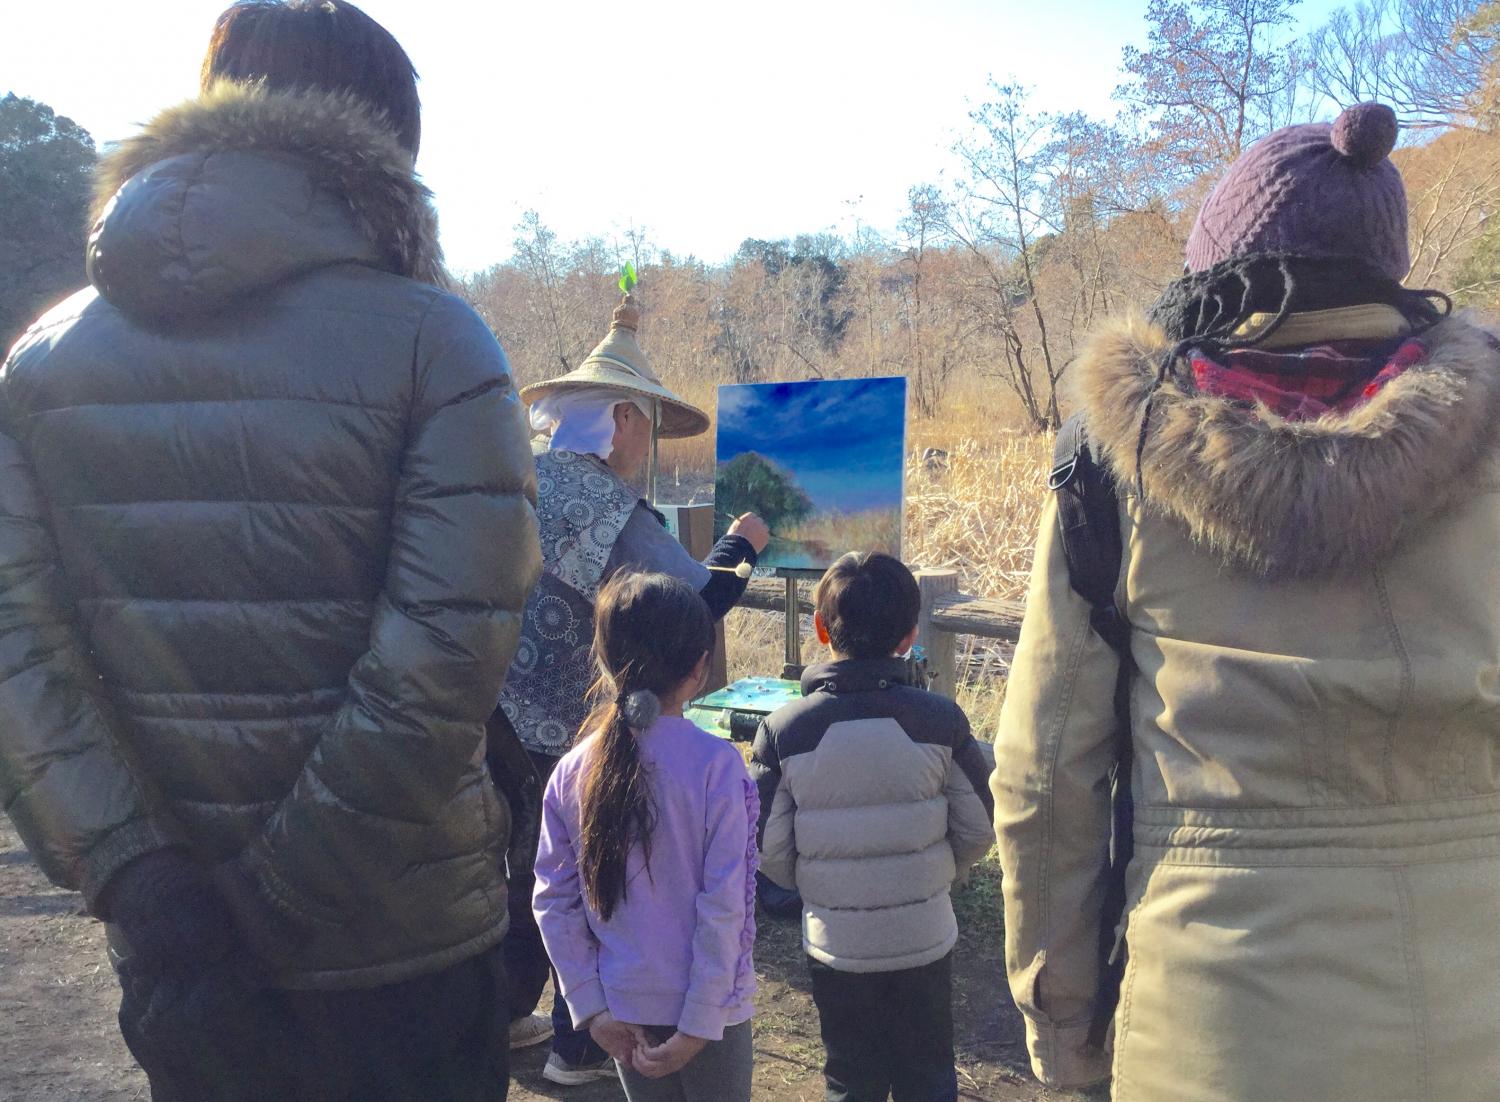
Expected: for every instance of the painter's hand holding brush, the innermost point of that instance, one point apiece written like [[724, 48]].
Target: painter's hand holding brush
[[752, 528], [732, 561], [753, 531]]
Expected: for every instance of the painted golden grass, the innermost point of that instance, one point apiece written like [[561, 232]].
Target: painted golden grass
[[870, 530]]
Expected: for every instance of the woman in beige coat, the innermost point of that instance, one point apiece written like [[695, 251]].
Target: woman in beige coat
[[1305, 455]]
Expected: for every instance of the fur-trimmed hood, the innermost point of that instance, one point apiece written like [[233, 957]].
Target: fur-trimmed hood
[[244, 187], [1290, 498]]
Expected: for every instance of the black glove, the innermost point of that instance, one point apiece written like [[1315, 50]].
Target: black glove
[[171, 915], [516, 780], [189, 1008], [187, 984]]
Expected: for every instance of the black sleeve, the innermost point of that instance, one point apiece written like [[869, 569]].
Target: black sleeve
[[516, 779], [724, 589], [765, 771]]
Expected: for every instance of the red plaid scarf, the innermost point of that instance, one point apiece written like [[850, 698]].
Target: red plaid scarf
[[1304, 384]]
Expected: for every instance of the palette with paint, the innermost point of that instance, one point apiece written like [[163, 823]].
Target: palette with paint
[[735, 711]]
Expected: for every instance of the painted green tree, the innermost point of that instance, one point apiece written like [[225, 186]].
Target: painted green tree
[[751, 483]]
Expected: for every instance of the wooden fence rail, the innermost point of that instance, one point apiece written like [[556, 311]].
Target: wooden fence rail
[[946, 614]]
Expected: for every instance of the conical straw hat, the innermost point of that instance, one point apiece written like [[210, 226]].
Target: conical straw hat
[[618, 362]]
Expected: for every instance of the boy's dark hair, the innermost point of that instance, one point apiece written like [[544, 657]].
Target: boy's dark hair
[[324, 44], [869, 603]]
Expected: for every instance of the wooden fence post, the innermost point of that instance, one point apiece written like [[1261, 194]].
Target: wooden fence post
[[693, 525], [940, 645]]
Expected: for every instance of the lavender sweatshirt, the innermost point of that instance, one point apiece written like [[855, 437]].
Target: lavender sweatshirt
[[677, 951]]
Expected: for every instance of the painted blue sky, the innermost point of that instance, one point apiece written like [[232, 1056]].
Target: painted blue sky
[[844, 440]]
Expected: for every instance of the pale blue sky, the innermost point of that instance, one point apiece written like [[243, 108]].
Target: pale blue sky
[[704, 123]]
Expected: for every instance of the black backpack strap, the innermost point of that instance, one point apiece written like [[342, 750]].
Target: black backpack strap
[[1088, 517]]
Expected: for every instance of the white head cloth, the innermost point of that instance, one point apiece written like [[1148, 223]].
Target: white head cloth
[[582, 419]]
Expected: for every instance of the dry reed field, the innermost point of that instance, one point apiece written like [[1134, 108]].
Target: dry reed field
[[980, 516]]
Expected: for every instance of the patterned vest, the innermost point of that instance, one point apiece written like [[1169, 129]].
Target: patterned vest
[[582, 507]]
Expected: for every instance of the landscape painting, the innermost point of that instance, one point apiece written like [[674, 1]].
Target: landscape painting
[[823, 462]]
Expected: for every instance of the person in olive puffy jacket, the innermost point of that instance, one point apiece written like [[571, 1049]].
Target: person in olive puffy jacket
[[266, 532]]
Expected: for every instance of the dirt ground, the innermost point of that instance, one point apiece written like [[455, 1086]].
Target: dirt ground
[[58, 997]]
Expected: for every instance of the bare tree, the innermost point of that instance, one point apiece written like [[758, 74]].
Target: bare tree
[[1000, 217], [1448, 50], [538, 255], [1454, 185], [1215, 75], [921, 229], [1431, 60], [1080, 201], [1486, 25], [635, 245], [1354, 55]]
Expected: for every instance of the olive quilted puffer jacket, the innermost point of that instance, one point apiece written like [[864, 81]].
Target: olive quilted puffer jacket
[[266, 531]]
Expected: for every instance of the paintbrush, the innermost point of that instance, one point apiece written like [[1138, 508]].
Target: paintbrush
[[744, 570]]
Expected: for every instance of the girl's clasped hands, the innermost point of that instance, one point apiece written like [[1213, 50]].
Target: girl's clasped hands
[[630, 1045]]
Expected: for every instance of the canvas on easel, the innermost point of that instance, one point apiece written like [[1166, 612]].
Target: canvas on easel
[[822, 462]]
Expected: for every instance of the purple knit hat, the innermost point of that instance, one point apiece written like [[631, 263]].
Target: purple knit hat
[[1316, 190]]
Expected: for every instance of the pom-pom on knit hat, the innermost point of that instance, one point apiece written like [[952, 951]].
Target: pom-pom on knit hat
[[1315, 190], [618, 362]]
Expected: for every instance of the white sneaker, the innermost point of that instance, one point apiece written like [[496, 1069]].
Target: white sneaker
[[530, 1030], [572, 1075]]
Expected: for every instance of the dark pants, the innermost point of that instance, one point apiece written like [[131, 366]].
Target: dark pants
[[887, 1034], [526, 959], [437, 1038]]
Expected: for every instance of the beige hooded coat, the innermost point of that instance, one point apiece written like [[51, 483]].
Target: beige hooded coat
[[1313, 909]]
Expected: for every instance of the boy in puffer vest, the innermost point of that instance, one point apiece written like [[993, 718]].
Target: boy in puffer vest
[[873, 800]]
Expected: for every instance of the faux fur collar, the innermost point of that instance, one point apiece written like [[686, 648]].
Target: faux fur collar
[[1283, 498], [349, 151]]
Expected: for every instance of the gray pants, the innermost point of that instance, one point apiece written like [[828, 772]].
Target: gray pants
[[720, 1073]]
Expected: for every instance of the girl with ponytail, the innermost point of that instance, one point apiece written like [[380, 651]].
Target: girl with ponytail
[[646, 870]]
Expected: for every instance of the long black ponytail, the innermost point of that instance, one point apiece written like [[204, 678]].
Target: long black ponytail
[[651, 630]]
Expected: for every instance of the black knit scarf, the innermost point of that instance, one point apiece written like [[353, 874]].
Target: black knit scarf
[[1202, 310]]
